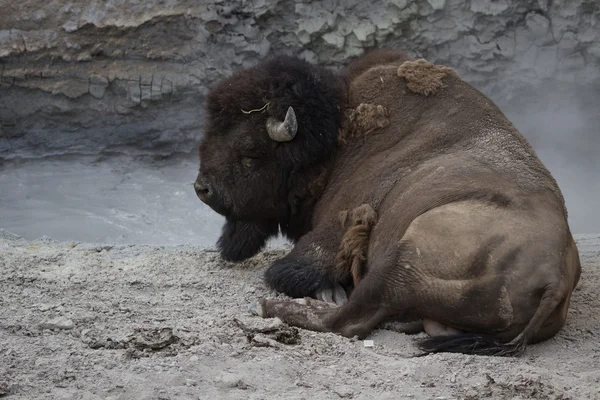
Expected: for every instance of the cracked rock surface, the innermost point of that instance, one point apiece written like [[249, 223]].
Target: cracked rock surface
[[83, 77]]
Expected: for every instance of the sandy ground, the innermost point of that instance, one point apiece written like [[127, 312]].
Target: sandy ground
[[96, 321]]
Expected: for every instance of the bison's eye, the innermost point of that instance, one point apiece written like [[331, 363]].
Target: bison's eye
[[248, 162]]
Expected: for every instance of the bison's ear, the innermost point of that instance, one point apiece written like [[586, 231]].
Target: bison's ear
[[283, 131]]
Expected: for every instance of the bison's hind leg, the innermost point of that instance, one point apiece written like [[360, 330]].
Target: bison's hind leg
[[364, 310]]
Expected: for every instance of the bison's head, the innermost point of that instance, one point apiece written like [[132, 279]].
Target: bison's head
[[269, 129]]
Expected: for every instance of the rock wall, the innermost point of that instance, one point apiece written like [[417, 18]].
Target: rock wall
[[121, 76]]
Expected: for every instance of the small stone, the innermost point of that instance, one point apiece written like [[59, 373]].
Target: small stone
[[58, 323], [121, 109], [84, 56], [4, 389], [229, 380], [45, 307], [344, 392], [70, 26], [194, 358]]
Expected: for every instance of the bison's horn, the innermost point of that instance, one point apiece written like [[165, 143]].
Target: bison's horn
[[283, 131]]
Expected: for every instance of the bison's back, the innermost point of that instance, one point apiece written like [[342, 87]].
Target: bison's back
[[433, 112]]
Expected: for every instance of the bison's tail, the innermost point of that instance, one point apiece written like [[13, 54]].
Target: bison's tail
[[469, 343]]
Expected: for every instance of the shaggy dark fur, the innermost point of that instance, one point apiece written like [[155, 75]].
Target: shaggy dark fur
[[277, 180], [315, 94], [241, 240], [297, 278]]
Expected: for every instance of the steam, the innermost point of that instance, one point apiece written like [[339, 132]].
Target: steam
[[563, 125]]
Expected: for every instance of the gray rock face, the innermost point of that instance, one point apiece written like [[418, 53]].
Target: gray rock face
[[80, 77]]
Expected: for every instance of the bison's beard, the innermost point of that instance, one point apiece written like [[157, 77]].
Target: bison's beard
[[243, 239]]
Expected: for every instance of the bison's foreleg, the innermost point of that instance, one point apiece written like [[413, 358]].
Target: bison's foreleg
[[298, 278], [335, 294], [243, 239]]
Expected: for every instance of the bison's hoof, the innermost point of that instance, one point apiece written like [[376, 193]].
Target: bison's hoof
[[335, 294], [256, 308]]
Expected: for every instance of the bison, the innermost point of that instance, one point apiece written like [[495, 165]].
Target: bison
[[407, 193]]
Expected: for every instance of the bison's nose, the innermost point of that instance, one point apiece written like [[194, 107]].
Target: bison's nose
[[202, 190]]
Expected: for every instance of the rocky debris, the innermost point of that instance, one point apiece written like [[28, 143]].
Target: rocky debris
[[4, 389], [232, 381], [270, 335], [131, 77], [58, 323], [155, 339], [138, 344], [519, 388]]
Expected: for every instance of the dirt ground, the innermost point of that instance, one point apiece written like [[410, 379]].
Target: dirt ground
[[96, 321]]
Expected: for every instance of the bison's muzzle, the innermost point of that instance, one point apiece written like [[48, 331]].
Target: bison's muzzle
[[208, 196], [202, 191]]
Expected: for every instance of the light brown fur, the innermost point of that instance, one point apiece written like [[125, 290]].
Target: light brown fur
[[364, 120], [355, 242], [422, 76]]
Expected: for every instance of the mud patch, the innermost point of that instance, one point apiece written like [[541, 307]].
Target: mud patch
[[364, 120], [422, 76]]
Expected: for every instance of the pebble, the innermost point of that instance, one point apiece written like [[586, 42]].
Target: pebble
[[58, 323], [344, 392], [194, 358], [45, 307], [229, 380]]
